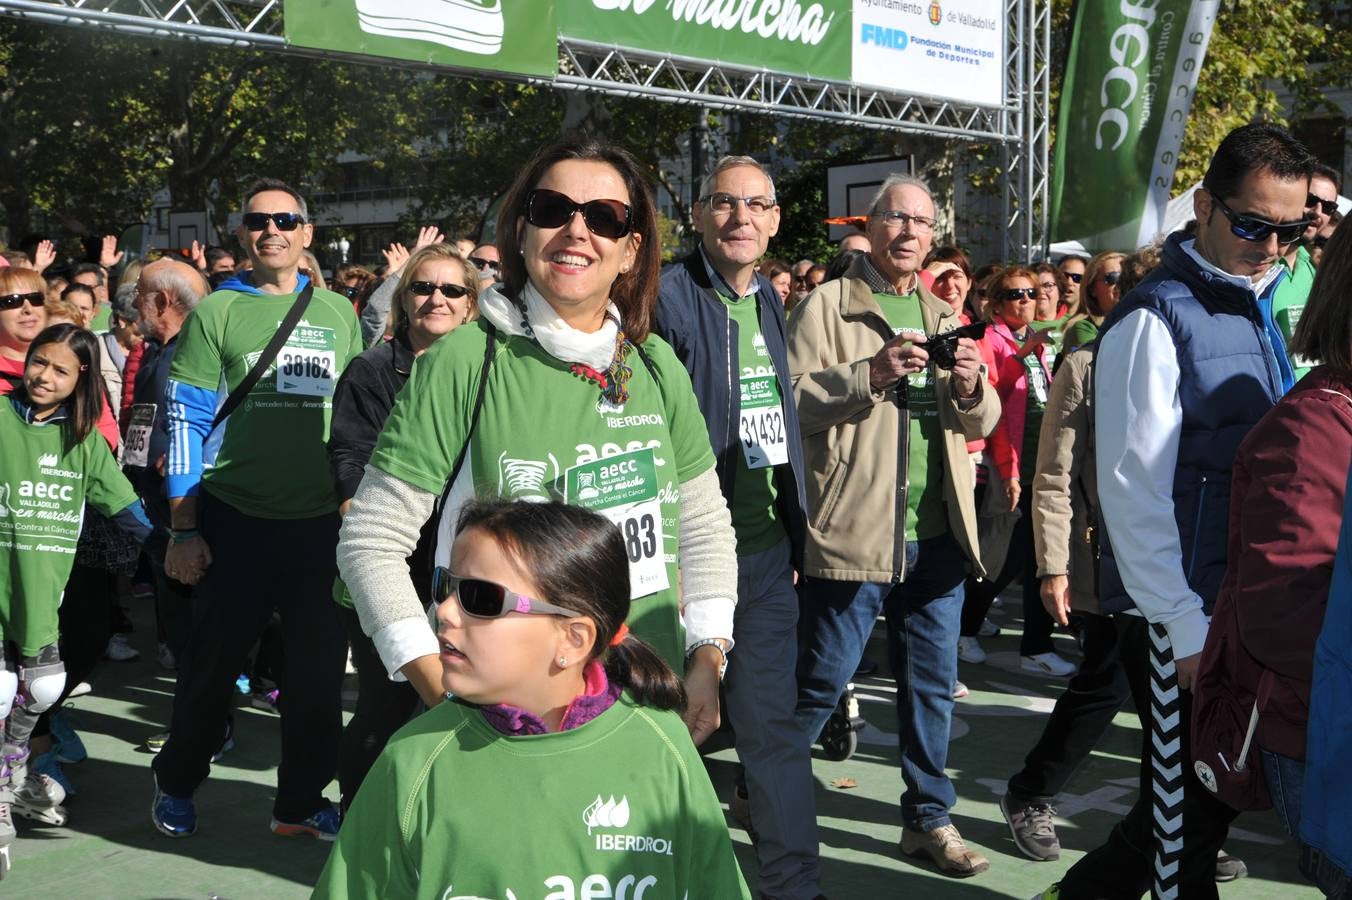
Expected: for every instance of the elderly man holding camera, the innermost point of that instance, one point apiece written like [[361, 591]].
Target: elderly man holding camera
[[887, 404]]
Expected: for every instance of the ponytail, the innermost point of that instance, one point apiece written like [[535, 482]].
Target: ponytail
[[635, 666]]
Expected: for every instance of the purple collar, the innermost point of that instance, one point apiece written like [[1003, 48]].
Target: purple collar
[[598, 696]]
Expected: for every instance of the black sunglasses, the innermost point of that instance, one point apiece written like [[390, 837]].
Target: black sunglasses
[[1112, 277], [1328, 206], [1254, 229], [604, 218], [14, 301], [348, 292], [1017, 293], [483, 265], [1076, 277], [428, 288], [285, 221], [489, 600]]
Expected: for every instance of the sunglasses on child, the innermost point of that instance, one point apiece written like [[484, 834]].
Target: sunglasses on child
[[428, 288], [14, 301], [285, 221], [605, 218], [1254, 229], [489, 600]]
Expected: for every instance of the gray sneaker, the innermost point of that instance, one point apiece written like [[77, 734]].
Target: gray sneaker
[[1032, 827]]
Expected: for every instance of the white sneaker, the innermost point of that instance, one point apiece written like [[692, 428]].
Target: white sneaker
[[119, 650], [987, 629], [81, 689], [1048, 664], [959, 690], [969, 651]]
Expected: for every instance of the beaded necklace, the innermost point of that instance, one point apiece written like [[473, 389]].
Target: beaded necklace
[[614, 382]]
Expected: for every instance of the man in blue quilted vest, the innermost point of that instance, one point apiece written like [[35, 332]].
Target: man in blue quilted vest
[[1187, 363]]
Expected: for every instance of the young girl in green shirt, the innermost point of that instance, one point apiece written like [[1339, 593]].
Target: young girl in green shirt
[[561, 767], [54, 462]]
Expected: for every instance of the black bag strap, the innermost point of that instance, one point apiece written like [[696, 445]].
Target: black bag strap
[[490, 346], [269, 354]]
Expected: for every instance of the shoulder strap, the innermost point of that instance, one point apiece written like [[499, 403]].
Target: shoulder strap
[[269, 354], [489, 348]]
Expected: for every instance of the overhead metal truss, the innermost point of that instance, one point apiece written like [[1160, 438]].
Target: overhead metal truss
[[1020, 125]]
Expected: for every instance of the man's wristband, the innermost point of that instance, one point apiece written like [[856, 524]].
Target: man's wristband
[[709, 642], [182, 536]]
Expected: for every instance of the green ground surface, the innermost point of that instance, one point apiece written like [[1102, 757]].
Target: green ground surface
[[110, 850]]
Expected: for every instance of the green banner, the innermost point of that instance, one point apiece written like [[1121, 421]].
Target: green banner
[[516, 36], [1129, 83], [798, 37]]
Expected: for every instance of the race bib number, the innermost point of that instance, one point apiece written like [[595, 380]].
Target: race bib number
[[308, 362], [624, 489], [764, 441], [1037, 382], [136, 449]]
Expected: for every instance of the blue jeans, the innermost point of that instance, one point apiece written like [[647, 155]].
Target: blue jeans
[[1286, 784], [923, 613]]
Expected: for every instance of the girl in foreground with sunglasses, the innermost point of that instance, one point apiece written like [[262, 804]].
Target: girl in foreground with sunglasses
[[53, 462], [560, 766], [558, 391], [436, 293]]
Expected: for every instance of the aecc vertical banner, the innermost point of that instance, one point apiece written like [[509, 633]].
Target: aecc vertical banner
[[1129, 84]]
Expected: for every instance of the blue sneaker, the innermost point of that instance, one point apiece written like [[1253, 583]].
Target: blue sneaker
[[174, 817], [242, 684], [66, 743], [323, 825], [49, 764]]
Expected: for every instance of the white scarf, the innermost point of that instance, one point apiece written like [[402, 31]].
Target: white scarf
[[559, 339]]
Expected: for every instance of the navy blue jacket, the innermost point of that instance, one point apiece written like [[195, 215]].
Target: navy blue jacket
[[1228, 380], [152, 378], [697, 325]]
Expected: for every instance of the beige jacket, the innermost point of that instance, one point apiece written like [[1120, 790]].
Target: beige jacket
[[1065, 487], [854, 439]]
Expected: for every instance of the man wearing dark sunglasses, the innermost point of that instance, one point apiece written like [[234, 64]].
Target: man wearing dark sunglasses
[[486, 260], [1288, 300], [254, 519], [726, 324], [1195, 364]]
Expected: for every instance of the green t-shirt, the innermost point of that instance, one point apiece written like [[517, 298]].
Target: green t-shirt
[[1082, 333], [925, 516], [618, 807], [1288, 302], [1039, 383], [269, 458], [754, 516], [538, 422], [43, 491], [103, 319], [1057, 327]]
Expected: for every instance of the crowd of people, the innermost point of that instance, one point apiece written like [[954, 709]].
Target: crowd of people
[[563, 510]]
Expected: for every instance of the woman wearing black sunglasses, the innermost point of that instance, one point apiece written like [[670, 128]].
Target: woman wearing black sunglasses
[[558, 392], [1023, 379], [436, 292], [22, 316], [1100, 294]]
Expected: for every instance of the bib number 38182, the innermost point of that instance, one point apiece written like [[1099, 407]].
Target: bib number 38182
[[308, 362], [624, 489]]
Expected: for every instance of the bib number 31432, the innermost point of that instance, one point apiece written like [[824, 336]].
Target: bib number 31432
[[308, 362], [764, 442], [624, 489]]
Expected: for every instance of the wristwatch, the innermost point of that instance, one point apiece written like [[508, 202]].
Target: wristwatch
[[709, 642]]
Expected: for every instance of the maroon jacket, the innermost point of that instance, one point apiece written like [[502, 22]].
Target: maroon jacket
[[1286, 509]]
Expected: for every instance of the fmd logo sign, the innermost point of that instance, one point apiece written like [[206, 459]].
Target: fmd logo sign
[[878, 36]]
